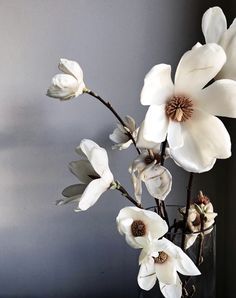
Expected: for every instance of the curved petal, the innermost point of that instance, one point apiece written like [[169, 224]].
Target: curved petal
[[141, 142], [166, 272], [205, 139], [214, 24], [63, 87], [122, 146], [65, 201], [174, 136], [118, 136], [91, 194], [155, 124], [74, 190], [158, 85], [147, 276], [228, 42], [197, 67], [185, 265], [189, 240], [130, 123], [172, 291], [72, 68], [158, 181], [219, 98], [83, 170]]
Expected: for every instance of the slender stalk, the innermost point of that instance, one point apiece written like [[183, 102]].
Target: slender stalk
[[109, 106], [188, 203], [126, 194], [200, 249]]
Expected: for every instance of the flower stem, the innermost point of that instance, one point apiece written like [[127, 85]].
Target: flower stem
[[126, 194], [188, 203], [109, 106]]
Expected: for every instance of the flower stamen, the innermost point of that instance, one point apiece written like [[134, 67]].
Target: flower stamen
[[179, 108], [138, 228], [162, 258]]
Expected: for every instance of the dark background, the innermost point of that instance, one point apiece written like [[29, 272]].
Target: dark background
[[47, 251]]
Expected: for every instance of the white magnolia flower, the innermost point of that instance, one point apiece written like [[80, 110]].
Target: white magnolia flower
[[120, 135], [161, 260], [137, 224], [214, 28], [184, 112], [196, 211], [94, 174], [69, 84], [146, 168]]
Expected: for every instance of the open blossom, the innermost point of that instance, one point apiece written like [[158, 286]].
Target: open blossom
[[139, 224], [201, 217], [146, 168], [184, 112], [69, 84], [94, 174], [214, 28], [161, 260], [120, 135]]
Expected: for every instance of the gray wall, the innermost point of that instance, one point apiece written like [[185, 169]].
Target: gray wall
[[47, 251]]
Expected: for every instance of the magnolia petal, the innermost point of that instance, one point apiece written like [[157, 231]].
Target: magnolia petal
[[72, 68], [189, 240], [155, 124], [141, 142], [92, 193], [214, 24], [118, 136], [122, 146], [63, 87], [130, 123], [172, 291], [166, 272], [174, 136], [219, 98], [74, 190], [83, 170], [197, 67], [185, 265], [65, 201], [147, 276], [158, 181], [98, 159], [228, 42], [158, 86], [205, 139]]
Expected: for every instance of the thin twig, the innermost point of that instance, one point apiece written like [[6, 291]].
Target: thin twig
[[109, 106], [126, 194], [188, 203]]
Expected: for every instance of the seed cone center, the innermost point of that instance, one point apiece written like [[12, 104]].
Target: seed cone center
[[138, 228], [162, 258], [179, 108]]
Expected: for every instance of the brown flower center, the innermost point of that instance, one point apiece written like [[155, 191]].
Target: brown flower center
[[138, 228], [162, 258], [179, 108]]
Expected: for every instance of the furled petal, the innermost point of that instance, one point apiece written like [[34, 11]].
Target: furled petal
[[130, 123], [122, 146], [197, 67], [65, 200], [141, 142], [219, 98], [158, 181], [147, 276], [155, 124], [214, 24], [166, 272], [74, 190], [72, 68], [172, 291], [83, 170], [174, 137], [92, 193], [189, 240], [63, 87], [228, 42], [158, 85], [205, 139]]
